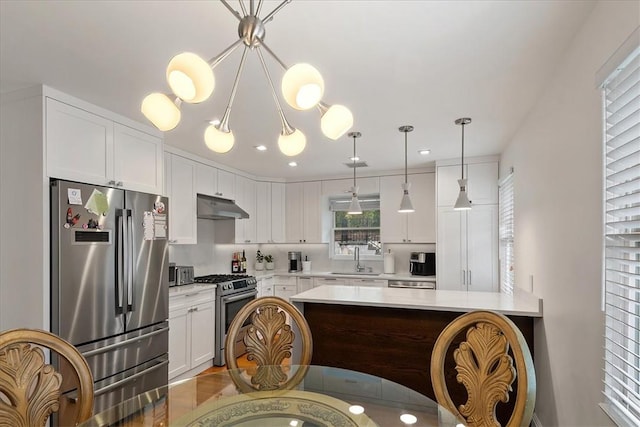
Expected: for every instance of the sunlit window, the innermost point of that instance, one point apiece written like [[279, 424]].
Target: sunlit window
[[351, 231]]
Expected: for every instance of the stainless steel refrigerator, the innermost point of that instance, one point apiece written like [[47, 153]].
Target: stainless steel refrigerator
[[109, 286]]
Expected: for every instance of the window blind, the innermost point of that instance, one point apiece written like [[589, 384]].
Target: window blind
[[621, 98], [506, 233]]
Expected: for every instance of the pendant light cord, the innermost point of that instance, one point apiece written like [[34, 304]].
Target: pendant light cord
[[462, 160], [405, 157], [354, 161]]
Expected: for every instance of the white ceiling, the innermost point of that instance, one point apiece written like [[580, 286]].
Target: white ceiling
[[424, 63]]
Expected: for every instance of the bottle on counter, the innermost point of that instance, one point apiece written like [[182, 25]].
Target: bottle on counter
[[243, 263], [235, 263]]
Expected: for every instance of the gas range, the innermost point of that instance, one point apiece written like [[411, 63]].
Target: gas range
[[229, 283]]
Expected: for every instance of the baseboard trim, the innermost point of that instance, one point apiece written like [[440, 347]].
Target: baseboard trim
[[536, 421]]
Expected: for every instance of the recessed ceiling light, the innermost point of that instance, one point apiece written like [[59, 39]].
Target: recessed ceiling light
[[356, 409], [408, 419], [293, 164], [261, 148], [354, 159], [424, 152]]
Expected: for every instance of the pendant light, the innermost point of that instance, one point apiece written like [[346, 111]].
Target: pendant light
[[405, 204], [462, 203], [354, 207]]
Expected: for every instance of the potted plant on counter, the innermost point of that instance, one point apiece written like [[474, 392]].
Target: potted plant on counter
[[259, 261], [268, 259]]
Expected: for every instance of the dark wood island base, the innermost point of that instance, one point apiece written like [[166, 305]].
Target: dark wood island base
[[393, 343]]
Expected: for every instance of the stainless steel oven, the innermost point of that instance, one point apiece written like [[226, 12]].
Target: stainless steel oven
[[232, 293]]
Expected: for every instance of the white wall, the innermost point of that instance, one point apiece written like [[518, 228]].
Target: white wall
[[557, 156]]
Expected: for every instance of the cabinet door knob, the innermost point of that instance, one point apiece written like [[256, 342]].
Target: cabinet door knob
[[119, 184], [112, 182]]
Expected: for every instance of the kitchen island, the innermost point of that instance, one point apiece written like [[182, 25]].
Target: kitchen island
[[391, 332]]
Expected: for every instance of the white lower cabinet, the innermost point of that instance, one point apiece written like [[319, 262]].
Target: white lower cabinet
[[320, 281], [265, 286], [191, 331], [285, 287], [305, 283], [380, 283]]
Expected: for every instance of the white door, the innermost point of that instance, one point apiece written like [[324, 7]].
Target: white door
[[278, 208], [451, 250], [482, 248], [393, 224], [311, 210], [483, 183], [182, 201], [179, 337], [294, 212], [202, 333], [79, 144], [421, 224], [137, 160]]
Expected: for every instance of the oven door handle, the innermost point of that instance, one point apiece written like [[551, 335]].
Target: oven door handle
[[240, 296]]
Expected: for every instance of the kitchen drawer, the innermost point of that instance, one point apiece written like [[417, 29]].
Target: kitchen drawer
[[319, 281], [189, 299], [285, 280], [285, 291], [381, 283]]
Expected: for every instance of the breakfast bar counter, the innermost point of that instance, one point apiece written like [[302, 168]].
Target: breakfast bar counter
[[391, 332]]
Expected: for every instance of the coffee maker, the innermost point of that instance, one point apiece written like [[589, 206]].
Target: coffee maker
[[295, 262], [422, 264]]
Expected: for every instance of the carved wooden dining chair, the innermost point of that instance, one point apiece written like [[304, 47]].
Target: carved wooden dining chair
[[484, 362], [268, 325], [30, 389]]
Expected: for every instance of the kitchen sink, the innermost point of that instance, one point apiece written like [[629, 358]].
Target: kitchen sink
[[354, 273]]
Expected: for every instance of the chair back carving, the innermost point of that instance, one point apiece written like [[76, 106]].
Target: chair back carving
[[486, 369], [30, 389], [270, 342]]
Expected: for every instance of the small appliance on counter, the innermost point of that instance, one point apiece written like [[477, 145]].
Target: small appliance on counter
[[389, 263], [422, 264], [295, 262], [180, 275]]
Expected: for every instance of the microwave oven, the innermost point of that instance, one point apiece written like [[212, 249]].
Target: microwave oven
[[422, 264]]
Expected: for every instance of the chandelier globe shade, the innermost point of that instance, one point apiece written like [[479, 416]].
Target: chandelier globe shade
[[405, 204], [302, 86], [217, 140], [160, 110], [292, 144], [336, 121], [190, 77], [462, 202]]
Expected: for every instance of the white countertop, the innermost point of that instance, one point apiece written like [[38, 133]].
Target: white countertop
[[520, 304], [382, 276]]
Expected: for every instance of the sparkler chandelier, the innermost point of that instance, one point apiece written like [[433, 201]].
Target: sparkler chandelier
[[191, 79]]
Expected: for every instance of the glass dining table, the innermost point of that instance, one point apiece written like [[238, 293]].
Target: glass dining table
[[318, 396]]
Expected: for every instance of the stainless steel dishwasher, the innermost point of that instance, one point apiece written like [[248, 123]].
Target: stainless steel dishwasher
[[414, 284]]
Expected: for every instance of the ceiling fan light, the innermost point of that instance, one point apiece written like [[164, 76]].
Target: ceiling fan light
[[217, 140], [336, 121], [405, 203], [292, 144], [462, 202], [161, 111], [190, 77], [302, 86]]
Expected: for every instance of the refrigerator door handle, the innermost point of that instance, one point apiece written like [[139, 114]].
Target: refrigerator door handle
[[120, 261], [113, 346], [130, 261]]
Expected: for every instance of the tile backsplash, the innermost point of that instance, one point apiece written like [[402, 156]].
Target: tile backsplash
[[209, 257]]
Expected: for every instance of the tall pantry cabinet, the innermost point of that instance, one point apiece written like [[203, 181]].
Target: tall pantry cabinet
[[467, 241]]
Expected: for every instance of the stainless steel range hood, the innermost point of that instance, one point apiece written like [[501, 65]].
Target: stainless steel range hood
[[216, 208]]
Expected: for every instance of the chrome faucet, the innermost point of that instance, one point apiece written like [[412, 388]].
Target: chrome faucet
[[356, 257]]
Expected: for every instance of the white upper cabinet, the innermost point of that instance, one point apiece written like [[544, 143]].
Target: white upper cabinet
[[246, 199], [87, 147], [181, 190], [413, 227], [303, 223], [215, 182], [270, 207], [482, 183]]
